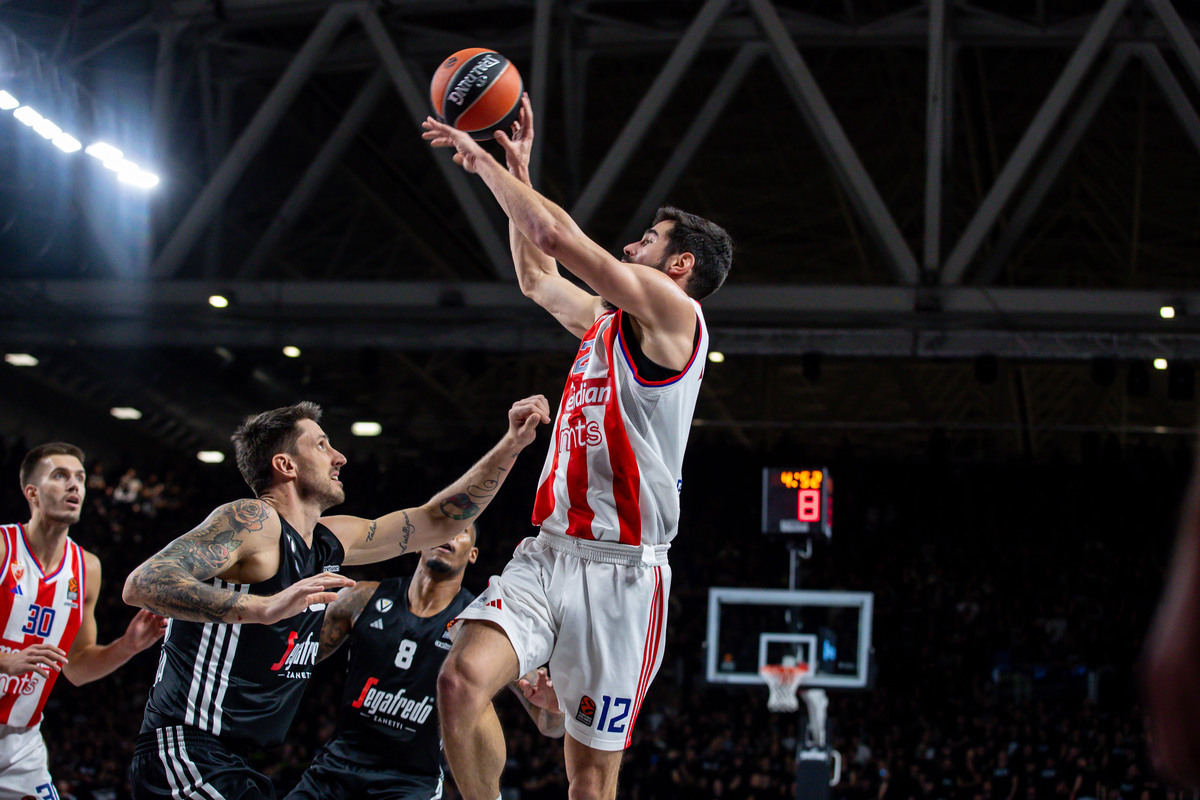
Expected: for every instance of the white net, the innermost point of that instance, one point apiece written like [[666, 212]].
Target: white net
[[783, 680]]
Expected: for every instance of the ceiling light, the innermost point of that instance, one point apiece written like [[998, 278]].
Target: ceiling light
[[137, 177], [366, 429], [211, 456], [291, 351], [716, 356], [21, 359], [46, 129], [218, 301], [28, 116], [7, 101], [1167, 312], [125, 412], [1160, 363], [104, 151], [66, 142]]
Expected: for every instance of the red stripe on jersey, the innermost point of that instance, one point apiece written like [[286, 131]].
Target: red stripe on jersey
[[622, 461], [649, 651], [579, 513], [543, 502], [73, 553]]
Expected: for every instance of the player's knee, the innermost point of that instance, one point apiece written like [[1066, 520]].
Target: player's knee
[[592, 786], [456, 691]]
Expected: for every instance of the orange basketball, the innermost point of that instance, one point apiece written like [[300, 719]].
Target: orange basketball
[[476, 90]]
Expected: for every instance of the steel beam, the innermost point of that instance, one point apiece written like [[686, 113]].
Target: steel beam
[[495, 249], [1176, 96], [647, 111], [1052, 167], [686, 148], [937, 111], [1183, 39], [539, 84], [331, 153], [1081, 60], [264, 121], [838, 150]]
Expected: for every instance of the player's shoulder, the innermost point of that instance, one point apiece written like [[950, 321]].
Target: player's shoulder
[[248, 515]]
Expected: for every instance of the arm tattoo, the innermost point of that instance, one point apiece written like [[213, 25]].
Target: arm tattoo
[[173, 580], [465, 505], [340, 617], [371, 530], [407, 532]]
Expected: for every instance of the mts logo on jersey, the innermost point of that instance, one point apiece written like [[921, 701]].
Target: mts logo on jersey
[[18, 684], [298, 654], [589, 392], [577, 433], [391, 708]]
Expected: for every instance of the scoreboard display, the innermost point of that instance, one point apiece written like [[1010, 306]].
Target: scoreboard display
[[797, 501]]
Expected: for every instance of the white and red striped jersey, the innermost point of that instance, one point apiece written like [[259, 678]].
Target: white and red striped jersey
[[613, 472], [36, 607]]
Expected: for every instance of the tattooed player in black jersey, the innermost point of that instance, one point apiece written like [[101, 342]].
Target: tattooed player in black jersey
[[387, 745], [245, 589]]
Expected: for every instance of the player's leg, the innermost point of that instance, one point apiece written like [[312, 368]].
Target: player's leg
[[25, 772], [591, 773], [187, 764], [480, 664]]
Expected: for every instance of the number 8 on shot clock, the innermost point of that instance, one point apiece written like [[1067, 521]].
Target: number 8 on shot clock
[[797, 501]]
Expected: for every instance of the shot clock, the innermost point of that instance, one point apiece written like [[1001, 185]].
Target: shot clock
[[797, 501]]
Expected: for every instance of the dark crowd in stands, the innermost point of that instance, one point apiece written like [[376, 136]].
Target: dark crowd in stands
[[1010, 604]]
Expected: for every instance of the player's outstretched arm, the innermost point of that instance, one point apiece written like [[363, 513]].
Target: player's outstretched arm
[[442, 518], [537, 273], [537, 695], [87, 661], [172, 582], [340, 616], [1172, 657], [649, 295]]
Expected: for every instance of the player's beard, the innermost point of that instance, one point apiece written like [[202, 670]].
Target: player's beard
[[321, 489], [439, 566]]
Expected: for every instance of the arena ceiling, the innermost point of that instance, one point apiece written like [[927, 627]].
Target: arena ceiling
[[955, 221]]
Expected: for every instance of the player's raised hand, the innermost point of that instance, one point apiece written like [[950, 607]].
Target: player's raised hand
[[299, 596], [39, 658], [145, 629], [466, 150], [519, 144], [524, 417]]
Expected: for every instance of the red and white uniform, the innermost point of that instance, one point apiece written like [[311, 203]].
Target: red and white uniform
[[613, 472], [588, 595], [36, 607]]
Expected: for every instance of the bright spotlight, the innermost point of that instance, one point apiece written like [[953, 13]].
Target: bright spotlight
[[1160, 363], [104, 152], [218, 301], [137, 177], [211, 456], [66, 142], [1167, 312], [716, 356], [366, 429], [291, 351], [28, 116], [21, 359], [46, 129], [7, 101], [125, 412]]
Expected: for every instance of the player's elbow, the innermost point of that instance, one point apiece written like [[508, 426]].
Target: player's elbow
[[551, 238], [134, 590]]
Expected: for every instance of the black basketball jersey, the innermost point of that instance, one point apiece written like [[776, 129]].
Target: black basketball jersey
[[243, 682], [388, 707]]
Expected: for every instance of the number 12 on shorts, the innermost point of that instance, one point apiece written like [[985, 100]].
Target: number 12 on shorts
[[617, 723]]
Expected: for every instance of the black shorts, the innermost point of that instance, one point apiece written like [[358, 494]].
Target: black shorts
[[182, 762], [332, 778]]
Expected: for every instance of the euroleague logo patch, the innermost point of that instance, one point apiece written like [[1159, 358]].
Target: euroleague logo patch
[[587, 711]]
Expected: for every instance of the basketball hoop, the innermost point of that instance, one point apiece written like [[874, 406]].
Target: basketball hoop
[[783, 680]]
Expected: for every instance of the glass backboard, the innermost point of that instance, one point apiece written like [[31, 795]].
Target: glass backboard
[[829, 631]]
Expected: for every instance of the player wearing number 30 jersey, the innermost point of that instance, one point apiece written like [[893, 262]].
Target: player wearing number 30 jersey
[[48, 594]]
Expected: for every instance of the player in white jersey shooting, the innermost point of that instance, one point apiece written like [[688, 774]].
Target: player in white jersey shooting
[[588, 595], [48, 591]]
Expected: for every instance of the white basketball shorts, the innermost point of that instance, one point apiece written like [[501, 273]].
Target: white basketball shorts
[[23, 765], [600, 626]]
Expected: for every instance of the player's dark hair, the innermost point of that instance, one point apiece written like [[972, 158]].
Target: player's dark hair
[[707, 241], [261, 436], [33, 459]]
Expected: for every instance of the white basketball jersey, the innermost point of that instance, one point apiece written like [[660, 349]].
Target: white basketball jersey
[[36, 607], [613, 472]]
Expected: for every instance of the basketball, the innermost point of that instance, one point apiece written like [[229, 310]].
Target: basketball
[[476, 90]]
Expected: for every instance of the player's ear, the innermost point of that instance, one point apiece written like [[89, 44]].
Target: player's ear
[[31, 493], [284, 465], [473, 555], [681, 264]]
